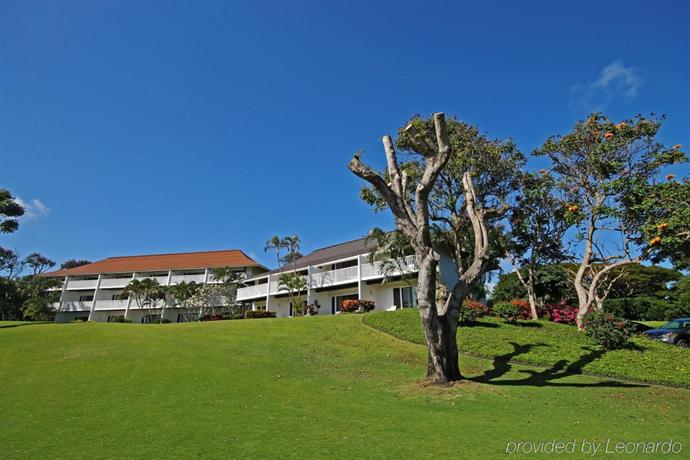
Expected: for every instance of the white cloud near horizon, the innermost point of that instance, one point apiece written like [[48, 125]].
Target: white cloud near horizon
[[34, 209], [616, 82]]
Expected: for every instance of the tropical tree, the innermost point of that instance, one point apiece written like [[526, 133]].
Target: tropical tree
[[447, 198], [390, 251], [226, 290], [294, 284], [276, 244], [180, 295], [38, 263], [74, 263], [146, 294], [537, 227], [598, 167], [10, 210], [10, 264], [37, 303], [11, 300]]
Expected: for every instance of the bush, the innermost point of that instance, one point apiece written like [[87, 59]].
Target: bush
[[471, 310], [508, 311], [607, 331], [120, 319], [645, 309], [250, 314], [211, 318], [357, 306], [523, 305], [561, 313], [165, 321]]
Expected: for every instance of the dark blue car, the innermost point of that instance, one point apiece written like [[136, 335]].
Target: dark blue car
[[676, 332]]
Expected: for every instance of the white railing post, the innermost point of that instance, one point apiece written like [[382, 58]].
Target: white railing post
[[95, 295], [165, 297], [309, 285], [62, 294], [129, 298], [268, 290], [359, 277]]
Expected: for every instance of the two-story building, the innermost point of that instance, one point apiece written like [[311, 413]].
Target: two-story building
[[333, 274], [93, 291]]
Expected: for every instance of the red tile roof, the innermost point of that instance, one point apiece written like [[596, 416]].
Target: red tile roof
[[156, 262]]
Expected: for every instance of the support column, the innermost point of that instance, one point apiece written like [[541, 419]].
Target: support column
[[62, 294], [268, 290], [129, 299], [309, 299], [359, 277], [165, 300], [95, 296]]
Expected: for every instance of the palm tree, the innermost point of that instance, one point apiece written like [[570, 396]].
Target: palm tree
[[146, 293], [180, 295], [292, 244], [276, 244]]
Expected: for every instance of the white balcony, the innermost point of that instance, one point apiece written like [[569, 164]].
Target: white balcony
[[162, 279], [196, 278], [389, 268], [111, 304], [76, 305], [252, 292], [114, 283], [334, 277], [81, 284]]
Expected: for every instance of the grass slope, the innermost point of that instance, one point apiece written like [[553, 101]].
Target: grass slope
[[559, 346], [325, 387]]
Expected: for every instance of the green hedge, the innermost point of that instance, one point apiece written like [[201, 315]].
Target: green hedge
[[545, 344], [645, 309]]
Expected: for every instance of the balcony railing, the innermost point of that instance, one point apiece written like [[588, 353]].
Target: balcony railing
[[389, 268], [195, 277], [336, 277], [111, 304], [82, 284], [75, 305], [115, 282]]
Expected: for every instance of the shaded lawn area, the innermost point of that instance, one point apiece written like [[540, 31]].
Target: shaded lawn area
[[558, 346], [326, 387]]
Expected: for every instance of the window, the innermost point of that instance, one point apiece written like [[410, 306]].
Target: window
[[86, 298], [347, 263], [405, 297], [116, 296], [337, 301]]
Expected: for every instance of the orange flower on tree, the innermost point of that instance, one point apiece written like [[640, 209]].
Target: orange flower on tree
[[677, 146], [608, 135], [621, 125], [662, 226], [654, 241], [573, 208], [670, 176]]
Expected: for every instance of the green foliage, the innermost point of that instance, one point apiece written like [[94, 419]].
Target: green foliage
[[9, 211], [549, 344], [646, 309], [607, 331], [510, 312], [120, 319], [74, 263], [38, 263], [554, 283], [256, 314], [662, 212]]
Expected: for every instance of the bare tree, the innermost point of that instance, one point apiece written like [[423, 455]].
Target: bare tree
[[412, 219]]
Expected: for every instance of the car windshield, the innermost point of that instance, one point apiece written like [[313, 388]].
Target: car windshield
[[674, 325]]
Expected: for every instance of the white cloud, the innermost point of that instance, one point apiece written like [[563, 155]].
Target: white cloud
[[34, 209], [616, 82]]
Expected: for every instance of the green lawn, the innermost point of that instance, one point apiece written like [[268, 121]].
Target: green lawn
[[558, 346], [292, 388]]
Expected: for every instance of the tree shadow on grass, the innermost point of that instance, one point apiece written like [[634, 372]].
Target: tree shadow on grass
[[28, 323], [477, 324], [547, 376]]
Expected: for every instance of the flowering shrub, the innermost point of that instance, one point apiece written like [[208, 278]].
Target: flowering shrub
[[607, 331], [561, 313], [508, 311], [259, 314], [523, 305], [211, 317], [356, 306], [471, 310]]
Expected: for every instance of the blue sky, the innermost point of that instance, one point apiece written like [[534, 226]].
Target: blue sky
[[143, 127]]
